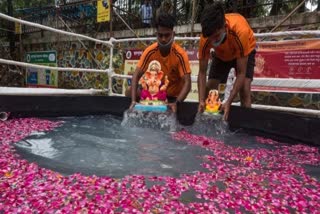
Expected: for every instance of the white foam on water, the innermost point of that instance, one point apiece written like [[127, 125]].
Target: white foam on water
[[209, 125], [165, 121], [43, 147]]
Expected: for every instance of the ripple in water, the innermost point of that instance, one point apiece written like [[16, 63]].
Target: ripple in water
[[100, 145], [105, 146]]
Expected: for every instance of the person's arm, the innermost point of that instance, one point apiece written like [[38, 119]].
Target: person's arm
[[241, 75], [134, 86], [202, 81], [185, 89], [183, 93]]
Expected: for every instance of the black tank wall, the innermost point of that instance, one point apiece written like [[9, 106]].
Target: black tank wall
[[278, 125]]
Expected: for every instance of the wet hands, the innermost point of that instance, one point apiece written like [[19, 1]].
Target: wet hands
[[201, 107], [225, 108], [173, 107], [133, 103]]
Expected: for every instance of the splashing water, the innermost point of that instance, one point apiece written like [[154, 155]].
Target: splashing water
[[164, 121], [209, 125]]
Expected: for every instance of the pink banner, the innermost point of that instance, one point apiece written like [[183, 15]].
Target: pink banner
[[295, 59], [288, 59], [135, 54]]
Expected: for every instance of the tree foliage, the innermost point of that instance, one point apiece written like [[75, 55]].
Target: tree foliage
[[22, 4], [182, 9]]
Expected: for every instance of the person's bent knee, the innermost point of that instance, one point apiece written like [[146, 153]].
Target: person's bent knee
[[213, 84]]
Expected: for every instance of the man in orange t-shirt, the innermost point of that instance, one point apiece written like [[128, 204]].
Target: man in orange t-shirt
[[233, 42], [173, 60]]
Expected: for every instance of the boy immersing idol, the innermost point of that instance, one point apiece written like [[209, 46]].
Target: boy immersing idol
[[172, 62], [234, 44]]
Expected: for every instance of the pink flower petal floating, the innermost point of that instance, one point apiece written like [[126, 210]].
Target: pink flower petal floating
[[235, 179]]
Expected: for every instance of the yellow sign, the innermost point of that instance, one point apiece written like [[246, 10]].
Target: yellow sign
[[103, 10], [17, 27], [129, 68]]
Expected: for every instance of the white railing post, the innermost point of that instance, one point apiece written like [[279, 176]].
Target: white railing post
[[111, 71]]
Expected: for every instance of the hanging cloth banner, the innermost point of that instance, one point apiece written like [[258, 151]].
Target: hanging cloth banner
[[288, 59], [297, 59], [103, 10]]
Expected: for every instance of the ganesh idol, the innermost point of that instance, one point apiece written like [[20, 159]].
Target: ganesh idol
[[153, 89]]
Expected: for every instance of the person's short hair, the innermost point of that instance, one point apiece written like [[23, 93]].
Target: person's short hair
[[165, 20], [212, 19]]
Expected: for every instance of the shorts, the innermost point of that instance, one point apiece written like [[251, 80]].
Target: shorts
[[220, 69], [171, 99]]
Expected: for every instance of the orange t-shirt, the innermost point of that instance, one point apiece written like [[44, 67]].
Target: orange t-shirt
[[239, 41], [175, 65]]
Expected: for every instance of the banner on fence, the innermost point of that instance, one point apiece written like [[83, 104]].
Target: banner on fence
[[131, 60], [290, 59], [296, 59], [37, 77]]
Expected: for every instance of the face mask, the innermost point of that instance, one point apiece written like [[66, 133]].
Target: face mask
[[216, 44], [167, 45]]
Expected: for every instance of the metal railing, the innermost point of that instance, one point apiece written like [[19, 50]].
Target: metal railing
[[81, 14]]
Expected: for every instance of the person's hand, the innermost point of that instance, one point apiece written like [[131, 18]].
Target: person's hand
[[201, 107], [133, 103], [173, 107], [225, 107]]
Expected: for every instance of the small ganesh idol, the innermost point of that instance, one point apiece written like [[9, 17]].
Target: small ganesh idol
[[213, 102], [153, 89]]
